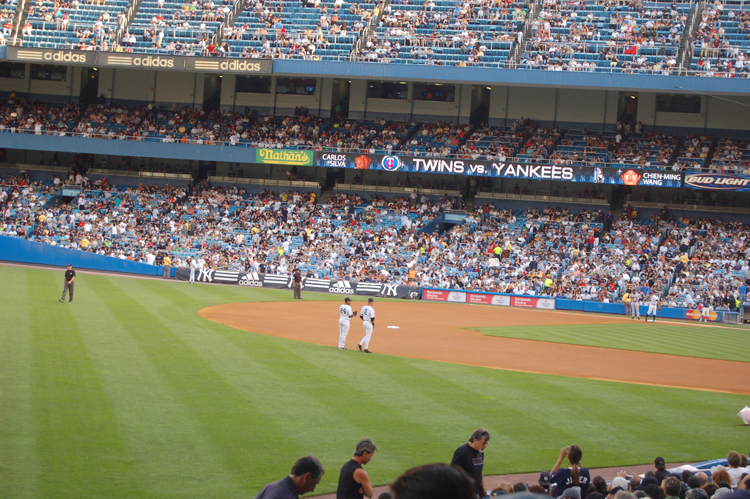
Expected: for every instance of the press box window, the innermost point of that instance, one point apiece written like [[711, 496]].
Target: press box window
[[387, 89], [434, 92], [49, 73], [12, 70], [296, 86], [678, 103], [253, 84]]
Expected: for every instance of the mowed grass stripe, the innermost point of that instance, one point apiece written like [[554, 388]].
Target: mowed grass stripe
[[690, 341], [230, 423], [171, 453], [78, 443], [151, 352], [19, 465], [275, 389]]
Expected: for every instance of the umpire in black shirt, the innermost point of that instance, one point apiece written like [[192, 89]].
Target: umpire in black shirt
[[68, 287], [470, 457]]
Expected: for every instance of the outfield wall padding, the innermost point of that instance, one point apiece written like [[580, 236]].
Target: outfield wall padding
[[15, 249], [284, 281]]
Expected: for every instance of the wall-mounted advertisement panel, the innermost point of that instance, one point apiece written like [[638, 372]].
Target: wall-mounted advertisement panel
[[718, 182], [499, 169]]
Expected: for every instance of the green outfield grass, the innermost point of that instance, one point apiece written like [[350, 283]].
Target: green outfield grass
[[723, 343], [128, 393]]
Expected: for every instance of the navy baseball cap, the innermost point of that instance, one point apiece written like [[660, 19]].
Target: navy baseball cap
[[544, 479], [370, 299], [347, 299]]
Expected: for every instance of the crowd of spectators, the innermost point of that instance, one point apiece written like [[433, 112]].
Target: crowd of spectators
[[575, 36], [586, 255], [721, 42], [462, 33], [524, 141]]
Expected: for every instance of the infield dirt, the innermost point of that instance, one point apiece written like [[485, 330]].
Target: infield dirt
[[437, 331]]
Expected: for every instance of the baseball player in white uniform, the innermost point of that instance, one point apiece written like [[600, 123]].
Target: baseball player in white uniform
[[653, 305], [706, 312], [345, 313], [367, 314], [192, 270], [635, 304]]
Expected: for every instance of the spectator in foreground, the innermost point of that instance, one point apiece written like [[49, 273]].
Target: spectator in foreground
[[353, 479], [306, 474], [470, 458], [574, 476], [434, 481]]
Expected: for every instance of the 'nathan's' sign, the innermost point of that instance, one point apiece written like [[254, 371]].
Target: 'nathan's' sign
[[284, 157]]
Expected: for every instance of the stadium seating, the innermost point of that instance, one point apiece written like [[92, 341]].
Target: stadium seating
[[74, 25], [311, 30], [446, 32], [722, 42], [606, 37], [174, 27]]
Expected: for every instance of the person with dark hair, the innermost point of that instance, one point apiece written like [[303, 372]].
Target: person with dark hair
[[520, 487], [354, 483], [574, 476], [600, 485], [661, 470], [734, 461], [698, 493], [711, 488], [694, 482], [686, 474], [652, 491], [434, 481], [470, 458], [672, 487], [306, 474]]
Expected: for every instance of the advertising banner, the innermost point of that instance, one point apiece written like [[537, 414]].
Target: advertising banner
[[482, 298], [161, 62], [482, 168], [284, 157], [695, 314], [282, 281], [717, 182]]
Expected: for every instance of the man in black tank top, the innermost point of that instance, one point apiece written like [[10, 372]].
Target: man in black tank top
[[353, 480]]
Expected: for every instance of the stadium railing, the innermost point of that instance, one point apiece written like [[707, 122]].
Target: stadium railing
[[340, 186], [542, 197]]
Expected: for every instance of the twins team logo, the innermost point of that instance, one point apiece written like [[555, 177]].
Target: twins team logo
[[341, 287], [390, 163]]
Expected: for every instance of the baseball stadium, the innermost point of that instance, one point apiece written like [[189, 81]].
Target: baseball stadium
[[240, 200]]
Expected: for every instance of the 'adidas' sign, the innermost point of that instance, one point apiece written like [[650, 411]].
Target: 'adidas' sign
[[341, 287]]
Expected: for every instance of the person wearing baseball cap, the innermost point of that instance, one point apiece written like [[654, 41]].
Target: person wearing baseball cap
[[345, 314], [367, 314], [661, 472], [69, 286]]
